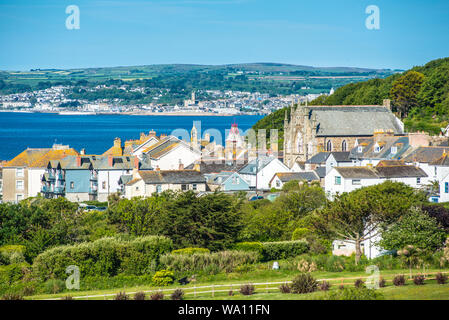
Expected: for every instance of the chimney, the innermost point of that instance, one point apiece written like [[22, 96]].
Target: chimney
[[152, 133], [387, 104], [157, 168], [136, 163], [83, 151], [181, 166], [197, 166], [78, 161], [110, 160], [142, 136], [117, 143]]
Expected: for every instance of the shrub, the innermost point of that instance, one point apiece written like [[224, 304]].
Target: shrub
[[304, 266], [341, 287], [67, 298], [54, 286], [139, 296], [418, 279], [324, 286], [441, 278], [382, 283], [12, 296], [178, 294], [230, 293], [247, 289], [158, 295], [121, 296], [190, 251], [12, 253], [249, 246], [163, 278], [354, 294], [359, 283], [304, 283], [283, 249], [208, 263], [104, 257], [285, 288], [399, 280]]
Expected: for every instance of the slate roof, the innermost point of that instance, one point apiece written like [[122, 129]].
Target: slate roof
[[262, 162], [341, 156], [319, 158], [171, 177], [321, 172], [164, 146], [216, 166], [289, 176], [386, 142], [426, 154], [102, 163], [353, 120], [387, 172]]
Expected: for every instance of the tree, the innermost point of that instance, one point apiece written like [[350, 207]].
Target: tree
[[360, 215], [415, 229], [405, 90], [440, 213]]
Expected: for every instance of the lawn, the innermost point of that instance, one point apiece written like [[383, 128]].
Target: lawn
[[223, 283]]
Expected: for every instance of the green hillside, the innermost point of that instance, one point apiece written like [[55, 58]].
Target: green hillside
[[420, 96]]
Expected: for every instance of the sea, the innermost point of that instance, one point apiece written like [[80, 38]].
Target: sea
[[95, 133]]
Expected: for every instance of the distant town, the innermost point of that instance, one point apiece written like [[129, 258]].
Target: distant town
[[57, 99]]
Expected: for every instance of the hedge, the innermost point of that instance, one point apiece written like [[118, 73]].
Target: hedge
[[103, 257], [190, 251], [208, 263], [275, 250], [283, 249]]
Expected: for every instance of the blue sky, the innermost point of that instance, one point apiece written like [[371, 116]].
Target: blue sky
[[138, 32]]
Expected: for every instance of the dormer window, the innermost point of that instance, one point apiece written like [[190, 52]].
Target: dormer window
[[359, 149], [377, 148], [394, 150]]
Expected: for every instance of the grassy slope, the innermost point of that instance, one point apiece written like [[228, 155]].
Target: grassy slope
[[261, 276]]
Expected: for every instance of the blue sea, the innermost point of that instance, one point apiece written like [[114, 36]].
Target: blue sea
[[96, 133]]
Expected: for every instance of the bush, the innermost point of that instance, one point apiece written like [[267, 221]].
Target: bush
[[249, 246], [247, 289], [12, 254], [304, 266], [67, 298], [324, 286], [283, 249], [230, 293], [139, 296], [163, 278], [441, 278], [12, 296], [190, 251], [418, 280], [399, 280], [104, 257], [208, 263], [121, 296], [157, 296], [359, 283], [178, 294], [13, 272], [353, 294], [54, 286], [285, 288], [382, 283], [304, 283]]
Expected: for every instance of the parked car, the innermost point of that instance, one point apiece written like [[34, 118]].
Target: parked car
[[256, 198]]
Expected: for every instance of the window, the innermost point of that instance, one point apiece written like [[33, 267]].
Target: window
[[19, 184], [418, 180], [103, 185], [377, 149], [446, 187], [329, 146], [1, 185], [359, 149], [356, 182], [338, 180], [72, 185], [19, 197], [278, 184], [158, 188], [19, 172], [344, 146], [394, 150], [194, 186], [184, 187]]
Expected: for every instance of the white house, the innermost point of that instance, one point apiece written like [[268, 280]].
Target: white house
[[347, 179], [260, 171], [171, 153]]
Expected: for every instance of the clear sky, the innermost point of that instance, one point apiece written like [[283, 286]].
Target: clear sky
[[33, 33]]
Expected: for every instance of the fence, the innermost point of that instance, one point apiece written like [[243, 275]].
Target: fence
[[264, 287]]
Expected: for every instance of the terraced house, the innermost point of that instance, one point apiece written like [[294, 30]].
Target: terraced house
[[88, 177], [22, 175]]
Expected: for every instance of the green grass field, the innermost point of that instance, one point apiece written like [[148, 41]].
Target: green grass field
[[223, 283]]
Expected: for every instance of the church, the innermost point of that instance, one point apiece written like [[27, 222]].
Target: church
[[313, 129]]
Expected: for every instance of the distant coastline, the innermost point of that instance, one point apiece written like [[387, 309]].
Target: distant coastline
[[180, 114]]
